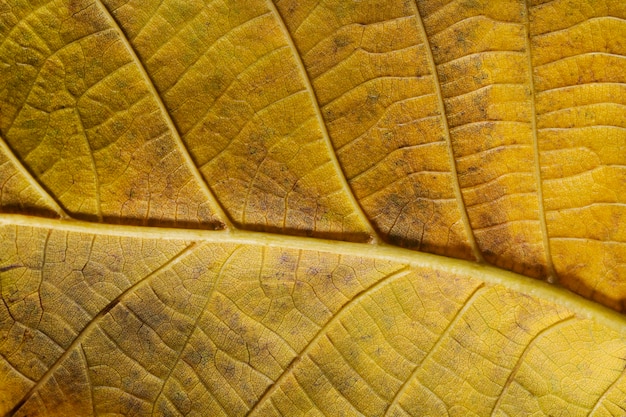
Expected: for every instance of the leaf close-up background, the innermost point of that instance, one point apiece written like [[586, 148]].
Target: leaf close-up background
[[312, 207]]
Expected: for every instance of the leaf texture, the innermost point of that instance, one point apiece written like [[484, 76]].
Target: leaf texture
[[431, 126], [252, 324], [491, 132]]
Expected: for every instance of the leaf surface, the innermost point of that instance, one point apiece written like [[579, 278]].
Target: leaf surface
[[131, 321], [490, 132]]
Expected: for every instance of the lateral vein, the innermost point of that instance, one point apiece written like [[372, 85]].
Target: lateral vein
[[323, 331], [446, 130], [215, 204], [467, 304], [374, 237], [537, 161], [93, 323]]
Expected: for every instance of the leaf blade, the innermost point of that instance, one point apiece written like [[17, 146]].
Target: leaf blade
[[289, 261], [320, 119]]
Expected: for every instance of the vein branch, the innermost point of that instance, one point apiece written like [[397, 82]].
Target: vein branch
[[520, 361], [446, 131], [77, 342], [322, 332], [215, 205], [45, 195], [469, 302], [374, 238], [196, 323]]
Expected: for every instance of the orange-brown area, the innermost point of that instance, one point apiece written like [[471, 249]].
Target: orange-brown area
[[371, 72], [233, 84]]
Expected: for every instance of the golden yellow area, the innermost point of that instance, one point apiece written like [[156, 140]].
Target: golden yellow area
[[579, 61], [244, 107], [374, 81], [77, 112], [126, 320], [180, 181]]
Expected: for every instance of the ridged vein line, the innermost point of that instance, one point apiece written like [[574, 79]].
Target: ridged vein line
[[469, 302], [215, 205], [542, 213], [93, 323], [192, 331], [446, 129], [556, 325], [322, 332], [8, 152], [374, 238]]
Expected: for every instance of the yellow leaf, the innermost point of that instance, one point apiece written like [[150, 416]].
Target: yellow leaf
[[117, 319], [489, 131]]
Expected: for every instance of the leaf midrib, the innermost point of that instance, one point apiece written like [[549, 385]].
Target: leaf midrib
[[489, 274]]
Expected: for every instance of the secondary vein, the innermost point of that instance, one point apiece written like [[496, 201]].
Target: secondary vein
[[542, 213], [446, 130], [318, 113], [215, 205], [93, 323]]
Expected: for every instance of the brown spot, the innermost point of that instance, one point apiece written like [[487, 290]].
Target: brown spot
[[341, 41]]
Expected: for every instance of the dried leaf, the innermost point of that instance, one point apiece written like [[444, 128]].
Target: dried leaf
[[491, 132]]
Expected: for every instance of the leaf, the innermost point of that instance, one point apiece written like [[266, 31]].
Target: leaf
[[128, 320], [485, 131]]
